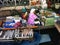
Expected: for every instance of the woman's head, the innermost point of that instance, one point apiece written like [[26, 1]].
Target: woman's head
[[32, 10]]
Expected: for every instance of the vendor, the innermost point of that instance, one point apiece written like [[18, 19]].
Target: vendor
[[32, 17]]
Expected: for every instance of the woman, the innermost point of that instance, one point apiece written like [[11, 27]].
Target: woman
[[32, 17]]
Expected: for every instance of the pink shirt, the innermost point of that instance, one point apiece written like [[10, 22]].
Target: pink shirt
[[31, 18]]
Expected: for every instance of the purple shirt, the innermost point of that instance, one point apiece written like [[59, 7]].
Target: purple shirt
[[31, 18]]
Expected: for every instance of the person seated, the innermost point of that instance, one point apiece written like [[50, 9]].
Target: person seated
[[32, 17]]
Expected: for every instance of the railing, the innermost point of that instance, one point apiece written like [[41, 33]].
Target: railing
[[13, 2]]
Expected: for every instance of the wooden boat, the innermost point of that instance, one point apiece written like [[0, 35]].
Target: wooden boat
[[8, 32]]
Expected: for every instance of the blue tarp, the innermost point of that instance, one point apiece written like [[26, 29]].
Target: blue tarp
[[8, 24]]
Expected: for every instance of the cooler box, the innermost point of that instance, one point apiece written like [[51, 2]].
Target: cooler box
[[49, 22]]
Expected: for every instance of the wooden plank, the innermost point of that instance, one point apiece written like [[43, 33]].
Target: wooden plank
[[58, 27], [31, 27], [5, 13], [4, 40], [18, 7], [18, 28]]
